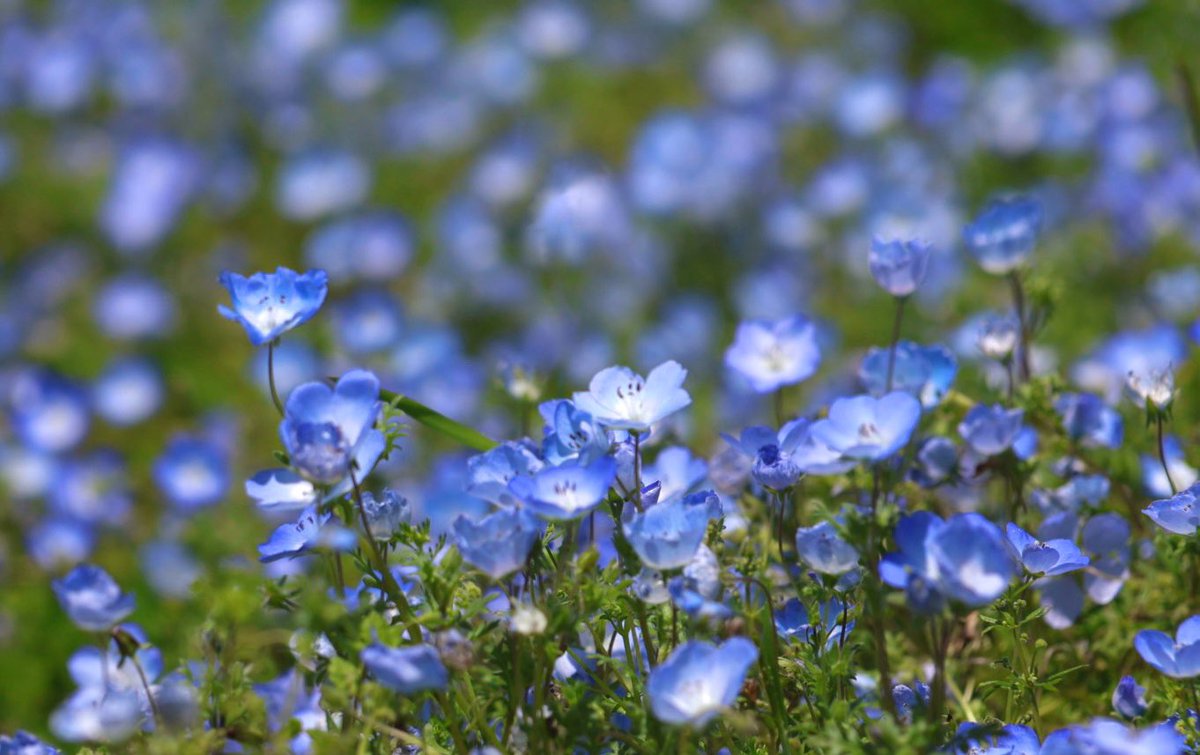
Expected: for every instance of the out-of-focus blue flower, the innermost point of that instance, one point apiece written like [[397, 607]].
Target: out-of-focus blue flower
[[963, 558], [823, 549], [489, 473], [1148, 356], [98, 715], [499, 543], [1013, 739], [150, 187], [621, 399], [676, 471], [899, 265], [908, 699], [192, 472], [169, 568], [1107, 737], [991, 430], [1051, 558], [1178, 658], [373, 245], [128, 392], [697, 591], [270, 304], [60, 541], [1155, 479], [1088, 419], [926, 372], [1179, 513], [1154, 387], [771, 355], [1077, 14], [93, 489], [565, 492], [325, 430], [368, 321], [321, 182], [666, 535], [999, 336], [792, 624], [49, 413], [1129, 698], [699, 680], [24, 743], [1003, 235], [310, 530], [571, 433], [92, 598], [581, 212], [937, 459], [287, 698], [133, 306], [386, 513], [865, 427], [407, 670]]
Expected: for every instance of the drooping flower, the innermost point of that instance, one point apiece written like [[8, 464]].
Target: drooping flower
[[499, 543], [1179, 514], [310, 530], [1051, 558], [386, 513], [864, 427], [1178, 658], [666, 535], [823, 549], [407, 670], [770, 355], [991, 430], [699, 680], [270, 304], [1155, 387], [92, 598], [619, 398], [329, 432], [926, 372], [1129, 698], [1003, 235], [899, 265], [566, 492]]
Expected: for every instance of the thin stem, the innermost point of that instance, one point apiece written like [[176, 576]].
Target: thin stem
[[941, 639], [1162, 455], [271, 376], [386, 580], [875, 594], [891, 364], [778, 402], [460, 742], [146, 686], [637, 471], [1018, 294]]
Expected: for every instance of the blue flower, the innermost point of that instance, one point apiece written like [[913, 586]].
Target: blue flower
[[1129, 698], [771, 355], [24, 743], [1088, 419], [899, 265], [823, 549], [1179, 514], [792, 624], [93, 489], [287, 698], [310, 530], [407, 670], [386, 513], [49, 413], [1004, 234], [281, 490], [92, 598], [1178, 658], [697, 592], [1182, 474], [1051, 558], [129, 391], [667, 535], [270, 304], [1105, 540], [1106, 737], [98, 715], [566, 492], [937, 459], [774, 465], [926, 372], [619, 398], [699, 680], [908, 699], [571, 433], [489, 473], [991, 430], [324, 429], [499, 543], [864, 427], [192, 473], [1013, 739]]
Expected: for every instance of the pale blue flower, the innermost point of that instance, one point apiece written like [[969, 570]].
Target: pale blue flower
[[699, 680], [621, 399], [270, 304], [771, 355]]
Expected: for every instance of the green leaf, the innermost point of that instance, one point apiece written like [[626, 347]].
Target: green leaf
[[439, 422]]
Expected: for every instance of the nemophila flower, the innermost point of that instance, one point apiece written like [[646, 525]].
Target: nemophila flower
[[1152, 387], [107, 671], [771, 355], [310, 530], [792, 622], [321, 181], [499, 543], [991, 430], [937, 459], [1155, 479], [926, 372], [772, 453], [1013, 739], [192, 473], [59, 541], [1087, 418], [908, 699], [92, 598], [325, 429], [676, 471], [1053, 557], [1105, 540], [823, 549], [170, 568], [571, 433], [566, 492], [1106, 737], [1179, 514], [133, 307], [619, 398], [49, 413], [489, 473], [666, 535], [1078, 491], [372, 245], [1129, 698], [1003, 235], [98, 715], [699, 680], [697, 592], [270, 304], [281, 490], [93, 489], [1178, 658], [999, 335], [1148, 354], [367, 322], [869, 428], [386, 513], [128, 392], [899, 265], [288, 698], [407, 670], [24, 743]]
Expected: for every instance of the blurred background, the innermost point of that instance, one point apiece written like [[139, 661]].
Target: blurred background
[[507, 197]]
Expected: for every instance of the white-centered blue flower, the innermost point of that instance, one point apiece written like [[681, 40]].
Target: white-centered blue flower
[[270, 304], [619, 398]]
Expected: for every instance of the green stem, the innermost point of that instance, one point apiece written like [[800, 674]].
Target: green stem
[[875, 595], [386, 580], [1162, 454], [271, 376], [1018, 294], [896, 321]]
